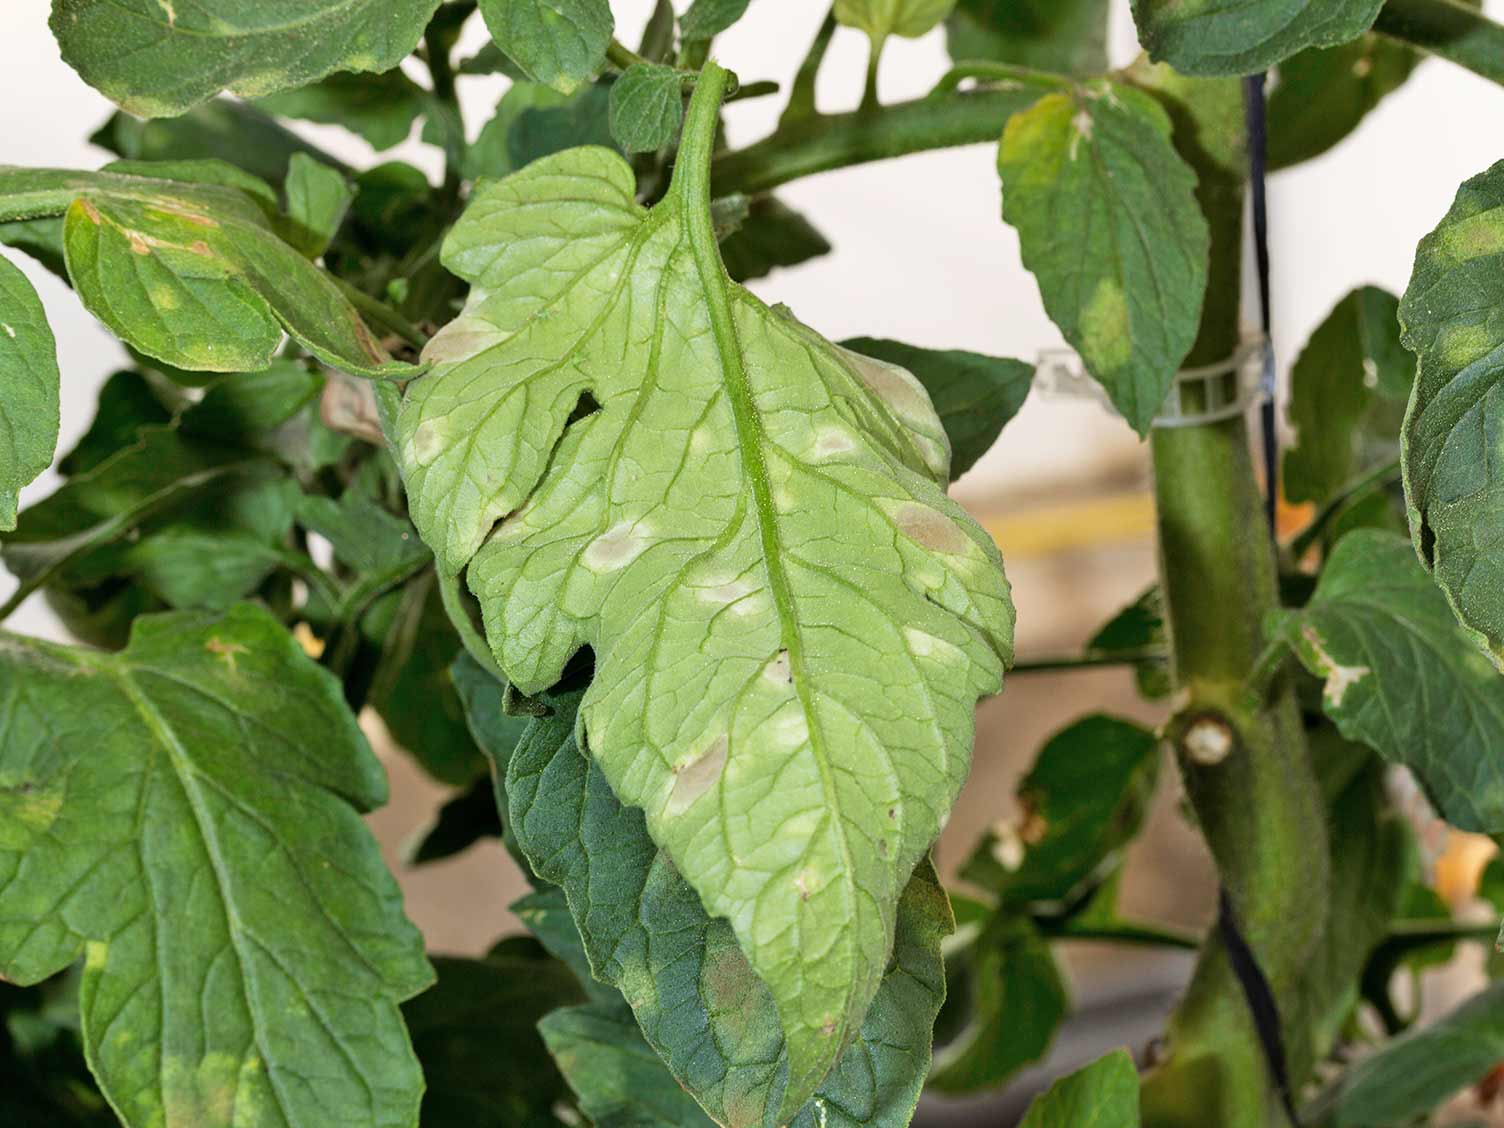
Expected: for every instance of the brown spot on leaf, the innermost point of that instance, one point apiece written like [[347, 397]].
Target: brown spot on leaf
[[932, 529]]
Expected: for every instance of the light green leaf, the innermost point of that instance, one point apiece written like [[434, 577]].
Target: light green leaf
[[380, 108], [769, 236], [170, 814], [534, 121], [1064, 36], [743, 484], [1453, 486], [1245, 36], [706, 19], [1323, 94], [1104, 1093], [475, 1031], [619, 1080], [1413, 1074], [647, 107], [974, 395], [157, 58], [882, 18], [223, 129], [1082, 801], [1012, 998], [28, 389], [1347, 394], [1402, 676], [1108, 222], [559, 43], [193, 274], [695, 997], [317, 199]]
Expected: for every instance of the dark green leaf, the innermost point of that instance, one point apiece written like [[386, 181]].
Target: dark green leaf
[[156, 61], [1402, 676], [239, 408], [1008, 988], [1323, 94], [475, 1031], [646, 933], [193, 273], [1104, 1093], [974, 395], [380, 108], [317, 199], [534, 121], [559, 43], [412, 690], [1139, 626], [28, 389], [706, 19], [1245, 36], [1453, 484], [127, 402], [170, 813], [1372, 847], [771, 235], [1064, 36], [223, 129], [1108, 221], [658, 35], [1412, 1075], [362, 534], [42, 239], [619, 1080], [1082, 801], [458, 825], [1347, 395], [647, 107]]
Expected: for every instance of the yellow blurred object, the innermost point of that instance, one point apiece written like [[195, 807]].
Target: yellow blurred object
[[1084, 523], [312, 645], [1461, 865]]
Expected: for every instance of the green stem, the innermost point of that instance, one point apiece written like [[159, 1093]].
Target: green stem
[[1449, 30], [621, 56], [810, 144], [1000, 73], [801, 102], [1090, 660], [1259, 805], [381, 314], [870, 100], [1382, 474], [1119, 933]]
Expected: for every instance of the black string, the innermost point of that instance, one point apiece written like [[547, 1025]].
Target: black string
[[1253, 100], [1261, 1002]]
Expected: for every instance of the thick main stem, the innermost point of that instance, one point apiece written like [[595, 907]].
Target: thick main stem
[[1258, 803]]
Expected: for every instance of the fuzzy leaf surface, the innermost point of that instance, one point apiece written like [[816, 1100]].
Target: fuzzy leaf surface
[[647, 107], [1108, 222], [1452, 315], [28, 389], [1403, 677], [187, 266], [788, 616], [696, 999], [185, 816], [1211, 37], [1064, 36], [157, 58], [559, 43]]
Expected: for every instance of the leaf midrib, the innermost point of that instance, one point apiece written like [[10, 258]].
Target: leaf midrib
[[699, 233]]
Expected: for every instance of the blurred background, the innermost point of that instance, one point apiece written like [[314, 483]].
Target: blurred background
[[921, 255]]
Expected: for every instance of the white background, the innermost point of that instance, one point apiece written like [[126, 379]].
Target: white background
[[922, 254]]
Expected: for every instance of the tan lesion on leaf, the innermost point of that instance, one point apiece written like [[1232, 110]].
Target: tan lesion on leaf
[[227, 651], [931, 529], [198, 1094], [695, 778], [1339, 678]]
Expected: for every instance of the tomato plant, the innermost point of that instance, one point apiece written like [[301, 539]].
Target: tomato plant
[[667, 586]]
